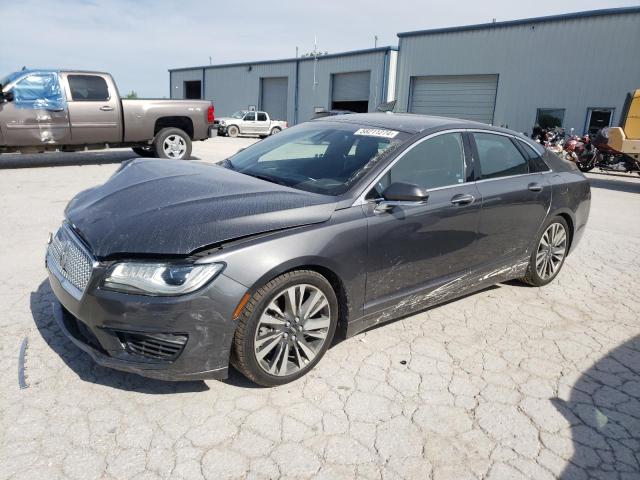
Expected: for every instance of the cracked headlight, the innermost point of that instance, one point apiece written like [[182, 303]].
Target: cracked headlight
[[160, 278], [223, 123]]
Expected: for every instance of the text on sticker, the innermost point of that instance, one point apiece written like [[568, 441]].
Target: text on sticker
[[376, 132]]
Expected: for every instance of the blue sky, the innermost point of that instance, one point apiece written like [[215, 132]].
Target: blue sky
[[139, 40]]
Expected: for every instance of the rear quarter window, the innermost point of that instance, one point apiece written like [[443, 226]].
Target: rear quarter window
[[536, 163]]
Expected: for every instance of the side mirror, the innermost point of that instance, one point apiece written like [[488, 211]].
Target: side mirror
[[400, 193]]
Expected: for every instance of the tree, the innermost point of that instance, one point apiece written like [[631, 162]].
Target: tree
[[132, 94]]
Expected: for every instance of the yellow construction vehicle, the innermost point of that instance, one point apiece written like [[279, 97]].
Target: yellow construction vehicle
[[619, 147], [626, 138]]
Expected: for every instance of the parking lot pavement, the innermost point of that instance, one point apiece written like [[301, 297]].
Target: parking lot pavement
[[511, 382]]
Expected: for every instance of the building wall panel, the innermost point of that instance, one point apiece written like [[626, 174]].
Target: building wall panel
[[571, 64]]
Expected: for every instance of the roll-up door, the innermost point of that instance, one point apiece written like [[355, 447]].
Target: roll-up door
[[273, 98], [350, 91], [471, 97]]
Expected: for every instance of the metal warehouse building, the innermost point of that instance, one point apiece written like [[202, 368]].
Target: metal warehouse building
[[574, 69], [292, 89]]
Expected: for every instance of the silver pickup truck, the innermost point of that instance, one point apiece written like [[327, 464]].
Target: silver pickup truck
[[46, 110], [246, 122]]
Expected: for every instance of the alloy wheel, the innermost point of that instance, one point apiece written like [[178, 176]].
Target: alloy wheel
[[174, 146], [292, 329], [551, 251]]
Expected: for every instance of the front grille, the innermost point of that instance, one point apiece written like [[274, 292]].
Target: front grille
[[70, 260], [156, 346]]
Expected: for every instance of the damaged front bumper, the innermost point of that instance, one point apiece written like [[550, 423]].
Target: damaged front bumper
[[168, 338]]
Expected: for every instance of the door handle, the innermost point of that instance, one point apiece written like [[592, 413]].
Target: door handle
[[535, 187], [463, 199], [106, 108]]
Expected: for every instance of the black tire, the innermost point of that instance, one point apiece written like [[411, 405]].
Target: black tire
[[585, 167], [243, 356], [233, 131], [164, 135], [275, 130], [146, 152], [532, 277]]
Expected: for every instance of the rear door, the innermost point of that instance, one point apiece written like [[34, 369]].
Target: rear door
[[262, 123], [515, 198], [38, 114], [412, 247], [94, 109]]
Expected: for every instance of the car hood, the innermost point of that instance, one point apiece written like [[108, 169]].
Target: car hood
[[166, 207], [228, 119]]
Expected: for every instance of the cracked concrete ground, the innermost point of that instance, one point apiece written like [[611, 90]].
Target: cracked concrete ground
[[512, 382]]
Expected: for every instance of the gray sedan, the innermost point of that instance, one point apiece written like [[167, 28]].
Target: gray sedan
[[174, 270]]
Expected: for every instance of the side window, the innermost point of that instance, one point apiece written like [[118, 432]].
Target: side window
[[262, 117], [498, 156], [250, 117], [436, 162], [88, 88], [549, 117], [39, 90], [536, 163]]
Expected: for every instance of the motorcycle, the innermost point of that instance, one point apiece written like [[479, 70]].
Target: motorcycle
[[552, 138], [581, 151], [606, 158]]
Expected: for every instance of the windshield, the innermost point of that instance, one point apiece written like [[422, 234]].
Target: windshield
[[321, 157], [239, 114], [10, 78]]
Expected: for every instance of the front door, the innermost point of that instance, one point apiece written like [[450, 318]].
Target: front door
[[598, 118], [94, 110], [249, 123], [411, 247], [38, 113], [515, 199]]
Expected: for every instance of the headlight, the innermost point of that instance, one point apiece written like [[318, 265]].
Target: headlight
[[222, 122], [160, 278]]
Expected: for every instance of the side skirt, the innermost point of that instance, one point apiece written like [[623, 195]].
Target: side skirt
[[456, 287]]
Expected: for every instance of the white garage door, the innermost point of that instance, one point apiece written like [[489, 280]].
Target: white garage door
[[472, 97], [350, 87], [273, 98]]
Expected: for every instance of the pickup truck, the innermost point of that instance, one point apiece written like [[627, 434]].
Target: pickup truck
[[246, 122], [47, 110]]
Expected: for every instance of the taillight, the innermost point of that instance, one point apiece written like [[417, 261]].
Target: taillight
[[211, 113], [286, 124]]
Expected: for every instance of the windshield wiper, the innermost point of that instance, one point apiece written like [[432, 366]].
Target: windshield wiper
[[267, 178], [226, 163]]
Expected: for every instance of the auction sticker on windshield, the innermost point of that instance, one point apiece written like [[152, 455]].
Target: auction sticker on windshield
[[376, 132]]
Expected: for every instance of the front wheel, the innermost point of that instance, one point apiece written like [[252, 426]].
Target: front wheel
[[173, 143], [548, 257], [233, 131], [285, 328]]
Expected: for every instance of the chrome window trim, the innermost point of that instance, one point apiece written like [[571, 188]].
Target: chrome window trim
[[360, 200]]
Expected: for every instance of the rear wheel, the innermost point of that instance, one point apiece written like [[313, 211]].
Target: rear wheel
[[548, 257], [275, 130], [285, 328], [146, 152], [173, 143], [233, 131]]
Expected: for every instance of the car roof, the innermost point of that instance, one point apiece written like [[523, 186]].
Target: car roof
[[410, 122]]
